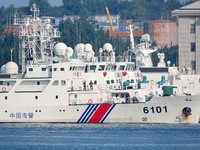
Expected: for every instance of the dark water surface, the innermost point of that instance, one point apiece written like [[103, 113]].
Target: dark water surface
[[45, 136]]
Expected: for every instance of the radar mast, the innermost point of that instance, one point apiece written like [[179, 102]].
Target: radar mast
[[36, 38]]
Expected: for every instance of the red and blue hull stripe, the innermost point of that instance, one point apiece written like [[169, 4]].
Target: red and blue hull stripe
[[96, 113]]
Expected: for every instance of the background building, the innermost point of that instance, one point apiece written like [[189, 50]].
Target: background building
[[163, 32], [188, 18]]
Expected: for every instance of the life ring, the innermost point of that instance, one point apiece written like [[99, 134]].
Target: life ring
[[90, 101], [3, 89]]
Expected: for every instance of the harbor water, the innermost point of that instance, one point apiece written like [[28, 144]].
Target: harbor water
[[60, 136]]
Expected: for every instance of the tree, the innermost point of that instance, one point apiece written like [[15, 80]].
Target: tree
[[171, 54], [43, 5], [87, 31], [80, 31], [10, 41], [123, 8], [171, 5], [74, 6]]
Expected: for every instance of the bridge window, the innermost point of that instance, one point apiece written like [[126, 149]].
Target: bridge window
[[114, 67], [108, 81], [121, 67], [63, 82], [112, 81], [101, 67], [93, 67], [55, 83], [44, 69]]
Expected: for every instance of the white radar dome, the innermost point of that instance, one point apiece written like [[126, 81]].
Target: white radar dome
[[11, 68], [108, 47], [3, 69], [88, 48], [79, 48], [69, 51], [60, 49]]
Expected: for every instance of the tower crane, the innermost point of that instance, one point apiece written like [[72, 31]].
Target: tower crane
[[109, 18]]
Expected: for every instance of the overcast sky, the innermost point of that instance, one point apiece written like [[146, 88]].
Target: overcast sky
[[18, 3]]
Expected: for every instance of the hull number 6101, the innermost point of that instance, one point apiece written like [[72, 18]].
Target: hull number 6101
[[157, 109]]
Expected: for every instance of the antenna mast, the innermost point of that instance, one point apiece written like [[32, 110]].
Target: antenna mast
[[36, 39]]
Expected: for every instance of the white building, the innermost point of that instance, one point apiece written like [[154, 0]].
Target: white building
[[188, 18]]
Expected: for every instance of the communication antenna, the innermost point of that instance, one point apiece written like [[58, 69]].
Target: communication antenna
[[11, 50], [35, 10], [131, 38]]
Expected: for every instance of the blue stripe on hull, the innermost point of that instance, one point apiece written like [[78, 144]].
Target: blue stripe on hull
[[84, 113], [87, 113], [91, 113]]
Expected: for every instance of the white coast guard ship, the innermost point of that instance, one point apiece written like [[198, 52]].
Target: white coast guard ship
[[59, 84]]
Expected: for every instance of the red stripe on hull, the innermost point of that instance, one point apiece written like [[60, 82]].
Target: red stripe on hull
[[100, 113]]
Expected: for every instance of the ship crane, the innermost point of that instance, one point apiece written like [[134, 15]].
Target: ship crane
[[109, 18]]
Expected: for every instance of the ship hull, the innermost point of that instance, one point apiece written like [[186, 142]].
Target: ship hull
[[157, 110]]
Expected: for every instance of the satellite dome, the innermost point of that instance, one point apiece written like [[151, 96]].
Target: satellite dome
[[11, 68], [79, 48], [3, 69], [108, 47], [88, 48], [60, 49], [69, 51]]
